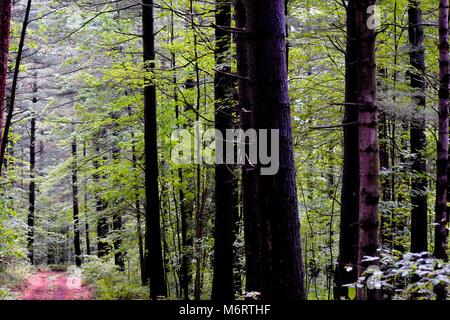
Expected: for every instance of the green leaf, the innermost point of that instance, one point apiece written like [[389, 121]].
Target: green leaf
[[352, 293]]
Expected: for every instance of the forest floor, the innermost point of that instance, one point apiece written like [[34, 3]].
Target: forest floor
[[48, 285]]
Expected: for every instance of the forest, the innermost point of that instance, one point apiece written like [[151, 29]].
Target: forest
[[224, 150]]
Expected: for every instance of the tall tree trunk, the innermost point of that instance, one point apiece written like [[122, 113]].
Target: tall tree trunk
[[419, 239], [283, 271], [86, 210], [185, 212], [346, 271], [76, 220], [369, 184], [5, 30], [363, 35], [119, 259], [223, 288], [153, 249], [441, 232], [248, 191], [7, 125], [440, 246], [100, 205], [32, 191]]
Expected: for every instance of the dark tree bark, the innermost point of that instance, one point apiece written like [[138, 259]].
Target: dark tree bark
[[282, 265], [86, 210], [5, 30], [419, 240], [223, 288], [32, 189], [119, 259], [153, 248], [346, 271], [76, 220], [440, 246], [369, 164], [360, 185], [248, 191]]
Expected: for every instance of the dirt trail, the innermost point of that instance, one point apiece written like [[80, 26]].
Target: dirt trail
[[54, 286]]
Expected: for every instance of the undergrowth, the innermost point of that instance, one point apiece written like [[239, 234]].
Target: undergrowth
[[108, 283]]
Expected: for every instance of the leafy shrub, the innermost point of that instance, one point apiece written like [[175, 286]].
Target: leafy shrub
[[410, 276], [12, 279], [109, 283], [6, 294], [57, 267]]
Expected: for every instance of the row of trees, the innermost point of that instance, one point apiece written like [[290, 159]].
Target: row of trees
[[102, 97]]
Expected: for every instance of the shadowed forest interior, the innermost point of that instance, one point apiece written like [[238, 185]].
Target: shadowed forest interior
[[338, 183]]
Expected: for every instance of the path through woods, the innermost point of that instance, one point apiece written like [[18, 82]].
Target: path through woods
[[55, 286]]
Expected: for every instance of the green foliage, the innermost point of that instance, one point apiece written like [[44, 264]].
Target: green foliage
[[110, 284], [12, 279], [411, 276]]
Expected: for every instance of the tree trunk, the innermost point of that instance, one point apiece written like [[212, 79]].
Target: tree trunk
[[223, 289], [419, 241], [283, 271], [153, 249], [440, 247], [32, 192], [346, 271], [86, 210], [248, 192], [100, 205], [76, 221], [119, 259], [366, 99]]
